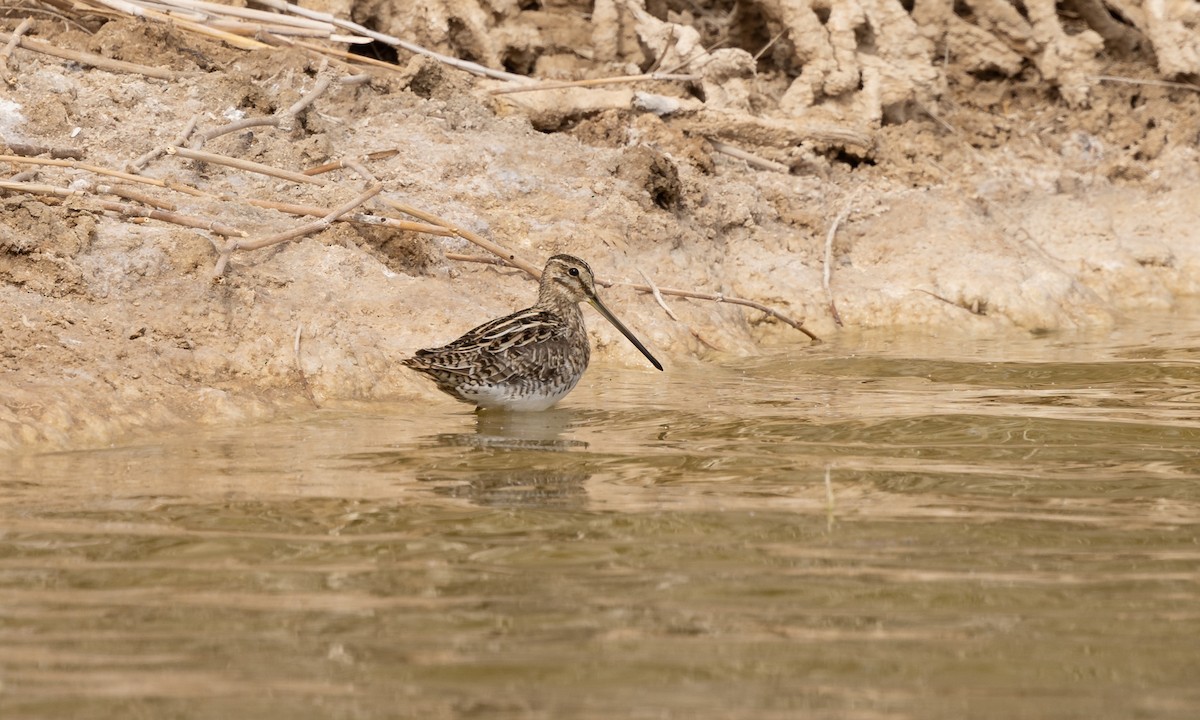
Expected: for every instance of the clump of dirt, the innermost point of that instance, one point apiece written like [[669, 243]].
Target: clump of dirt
[[988, 181]]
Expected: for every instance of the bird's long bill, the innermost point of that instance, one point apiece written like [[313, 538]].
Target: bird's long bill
[[595, 302]]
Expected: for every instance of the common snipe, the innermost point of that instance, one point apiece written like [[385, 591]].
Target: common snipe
[[530, 359]]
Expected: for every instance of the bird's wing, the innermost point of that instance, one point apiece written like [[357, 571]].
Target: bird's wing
[[496, 349]]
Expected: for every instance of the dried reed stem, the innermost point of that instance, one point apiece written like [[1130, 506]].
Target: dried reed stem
[[140, 163], [593, 82], [57, 153], [129, 8], [6, 52], [124, 209], [75, 165], [363, 218], [282, 119], [467, 66], [1155, 83], [342, 163], [129, 194], [96, 61], [748, 157], [247, 165], [217, 228]]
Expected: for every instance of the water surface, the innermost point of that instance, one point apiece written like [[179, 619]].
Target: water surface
[[888, 525]]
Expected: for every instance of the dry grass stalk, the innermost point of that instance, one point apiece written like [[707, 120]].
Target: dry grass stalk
[[96, 61], [474, 238], [36, 189]]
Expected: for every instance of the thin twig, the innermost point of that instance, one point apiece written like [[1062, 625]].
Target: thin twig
[[309, 229], [662, 303], [657, 295], [828, 274], [770, 43], [97, 61], [717, 297], [481, 259], [57, 153], [217, 228], [124, 209], [749, 158], [282, 119], [75, 165], [6, 52], [36, 188], [247, 165], [475, 238], [593, 82], [975, 308], [142, 161], [340, 164], [496, 249], [300, 369], [362, 218], [1155, 83], [313, 227], [128, 8], [129, 194]]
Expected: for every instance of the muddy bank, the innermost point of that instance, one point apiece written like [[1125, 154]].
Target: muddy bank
[[1016, 208]]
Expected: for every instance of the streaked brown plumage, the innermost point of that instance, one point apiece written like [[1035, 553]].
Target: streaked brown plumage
[[530, 359]]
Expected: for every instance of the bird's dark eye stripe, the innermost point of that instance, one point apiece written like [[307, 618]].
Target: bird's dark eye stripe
[[574, 272]]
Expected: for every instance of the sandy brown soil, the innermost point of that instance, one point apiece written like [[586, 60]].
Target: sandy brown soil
[[1014, 208]]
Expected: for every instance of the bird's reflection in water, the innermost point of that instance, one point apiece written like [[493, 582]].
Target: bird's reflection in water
[[518, 431], [517, 460]]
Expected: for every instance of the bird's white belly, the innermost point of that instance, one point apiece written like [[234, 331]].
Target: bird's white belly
[[516, 398]]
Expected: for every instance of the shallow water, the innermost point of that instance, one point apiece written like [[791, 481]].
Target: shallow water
[[883, 526]]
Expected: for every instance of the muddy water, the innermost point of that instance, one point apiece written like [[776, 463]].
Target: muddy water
[[884, 526]]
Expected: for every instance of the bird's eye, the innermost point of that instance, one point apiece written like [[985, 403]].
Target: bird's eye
[[573, 272]]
